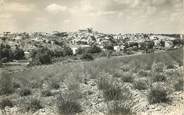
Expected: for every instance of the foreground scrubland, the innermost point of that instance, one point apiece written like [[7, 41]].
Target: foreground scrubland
[[140, 84]]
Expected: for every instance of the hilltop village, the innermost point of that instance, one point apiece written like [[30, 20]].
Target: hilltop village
[[61, 44]]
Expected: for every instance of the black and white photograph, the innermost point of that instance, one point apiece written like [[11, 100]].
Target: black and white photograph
[[91, 57]]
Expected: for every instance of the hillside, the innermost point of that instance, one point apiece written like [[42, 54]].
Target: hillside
[[95, 87]]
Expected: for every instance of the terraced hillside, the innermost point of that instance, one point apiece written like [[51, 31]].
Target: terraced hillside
[[140, 84]]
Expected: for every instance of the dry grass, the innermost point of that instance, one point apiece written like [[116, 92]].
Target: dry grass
[[104, 72]]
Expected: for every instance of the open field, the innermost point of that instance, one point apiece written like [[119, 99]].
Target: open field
[[148, 84]]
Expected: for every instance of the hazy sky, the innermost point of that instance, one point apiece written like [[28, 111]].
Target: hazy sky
[[111, 16]]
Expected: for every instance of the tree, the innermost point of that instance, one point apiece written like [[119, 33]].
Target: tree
[[67, 51], [94, 49], [18, 54]]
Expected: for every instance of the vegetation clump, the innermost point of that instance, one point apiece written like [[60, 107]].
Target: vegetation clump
[[127, 77], [46, 93], [159, 93], [25, 92], [113, 93], [68, 106], [103, 83], [33, 105], [179, 86], [6, 84], [117, 108], [87, 57], [5, 102], [159, 77], [141, 84]]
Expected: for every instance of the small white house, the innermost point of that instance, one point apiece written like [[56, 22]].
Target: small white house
[[74, 50], [117, 48]]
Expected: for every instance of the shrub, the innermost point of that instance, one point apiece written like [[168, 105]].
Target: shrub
[[72, 83], [118, 108], [158, 67], [159, 77], [67, 51], [179, 86], [41, 56], [33, 105], [141, 84], [158, 93], [6, 84], [1, 64], [54, 85], [109, 47], [87, 57], [94, 49], [35, 83], [171, 66], [45, 59], [143, 73], [25, 92], [16, 85], [127, 77], [67, 106], [5, 102], [4, 60], [103, 83], [113, 93], [74, 94], [19, 54], [125, 68], [46, 93], [80, 50], [117, 74]]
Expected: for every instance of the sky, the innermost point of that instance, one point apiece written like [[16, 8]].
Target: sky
[[109, 16]]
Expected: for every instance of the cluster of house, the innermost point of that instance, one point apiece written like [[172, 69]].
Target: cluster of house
[[82, 38]]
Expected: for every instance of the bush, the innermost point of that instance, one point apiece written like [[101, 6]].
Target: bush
[[45, 59], [125, 68], [141, 84], [19, 54], [16, 85], [113, 93], [41, 56], [87, 57], [72, 83], [158, 67], [67, 51], [117, 74], [46, 93], [54, 85], [109, 47], [118, 109], [171, 66], [4, 60], [94, 49], [127, 77], [103, 83], [158, 93], [25, 92], [36, 83], [143, 73], [5, 102], [179, 86], [159, 77], [68, 106], [33, 105], [1, 64], [6, 84]]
